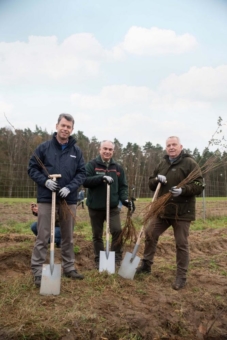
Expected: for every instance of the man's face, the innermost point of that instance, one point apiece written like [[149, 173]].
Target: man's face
[[106, 151], [173, 147], [64, 129]]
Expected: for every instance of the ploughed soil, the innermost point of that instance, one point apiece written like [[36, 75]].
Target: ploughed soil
[[104, 306]]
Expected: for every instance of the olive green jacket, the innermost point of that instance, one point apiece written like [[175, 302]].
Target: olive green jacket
[[97, 188], [181, 207]]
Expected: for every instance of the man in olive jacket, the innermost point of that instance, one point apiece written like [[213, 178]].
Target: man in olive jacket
[[100, 172], [178, 212]]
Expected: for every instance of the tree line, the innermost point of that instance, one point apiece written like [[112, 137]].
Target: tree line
[[17, 146]]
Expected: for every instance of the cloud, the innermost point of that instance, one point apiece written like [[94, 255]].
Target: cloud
[[45, 57], [156, 41], [80, 55], [205, 83], [5, 107], [113, 96], [196, 89]]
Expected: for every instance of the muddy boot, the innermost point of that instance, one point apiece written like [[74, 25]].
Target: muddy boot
[[37, 281], [179, 283], [97, 264], [144, 268], [73, 274]]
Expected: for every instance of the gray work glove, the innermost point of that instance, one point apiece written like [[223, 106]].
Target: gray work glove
[[52, 185], [64, 192], [109, 180], [128, 204], [175, 191], [162, 179]]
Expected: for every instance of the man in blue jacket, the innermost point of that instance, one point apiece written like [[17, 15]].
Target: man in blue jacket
[[61, 156]]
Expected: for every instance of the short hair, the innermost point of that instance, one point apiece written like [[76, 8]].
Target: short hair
[[67, 116], [178, 139], [109, 141]]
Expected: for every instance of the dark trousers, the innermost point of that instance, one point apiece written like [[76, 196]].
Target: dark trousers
[[98, 217], [181, 233], [57, 238]]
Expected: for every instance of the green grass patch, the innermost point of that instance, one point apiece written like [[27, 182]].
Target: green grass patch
[[209, 223], [14, 227]]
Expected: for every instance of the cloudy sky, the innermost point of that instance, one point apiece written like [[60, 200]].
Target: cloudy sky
[[135, 70]]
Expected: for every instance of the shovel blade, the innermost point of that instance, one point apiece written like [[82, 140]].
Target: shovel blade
[[50, 282], [128, 268], [105, 263]]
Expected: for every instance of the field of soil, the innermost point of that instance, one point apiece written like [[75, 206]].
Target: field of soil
[[109, 307]]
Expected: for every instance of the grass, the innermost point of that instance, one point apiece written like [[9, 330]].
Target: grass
[[84, 228], [209, 223], [94, 304]]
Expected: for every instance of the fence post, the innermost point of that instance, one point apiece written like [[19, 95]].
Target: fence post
[[204, 201]]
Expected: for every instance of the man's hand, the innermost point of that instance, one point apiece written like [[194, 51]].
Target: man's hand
[[109, 180], [52, 185], [175, 191], [34, 209], [162, 179], [128, 204], [64, 192]]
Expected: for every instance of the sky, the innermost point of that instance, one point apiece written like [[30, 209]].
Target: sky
[[135, 70]]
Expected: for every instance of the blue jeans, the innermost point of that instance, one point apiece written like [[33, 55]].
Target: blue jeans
[[57, 232]]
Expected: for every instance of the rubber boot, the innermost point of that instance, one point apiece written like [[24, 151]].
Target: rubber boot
[[144, 268]]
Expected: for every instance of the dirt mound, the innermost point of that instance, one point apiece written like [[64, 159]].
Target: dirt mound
[[109, 307]]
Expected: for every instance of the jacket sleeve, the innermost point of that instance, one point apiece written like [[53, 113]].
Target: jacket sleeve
[[92, 180], [36, 171], [194, 187], [80, 174], [153, 182], [122, 186]]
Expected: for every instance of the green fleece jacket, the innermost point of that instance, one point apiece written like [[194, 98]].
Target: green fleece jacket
[[96, 195], [181, 207]]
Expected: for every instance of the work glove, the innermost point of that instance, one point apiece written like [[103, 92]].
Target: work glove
[[52, 185], [175, 191], [162, 179], [109, 180], [128, 204], [64, 192]]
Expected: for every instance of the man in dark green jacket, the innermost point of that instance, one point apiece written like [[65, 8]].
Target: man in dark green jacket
[[100, 172], [178, 212]]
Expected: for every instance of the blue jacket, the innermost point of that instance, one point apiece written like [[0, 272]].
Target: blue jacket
[[68, 162]]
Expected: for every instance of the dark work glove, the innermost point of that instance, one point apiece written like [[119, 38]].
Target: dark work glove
[[109, 180], [133, 204], [52, 185], [128, 204]]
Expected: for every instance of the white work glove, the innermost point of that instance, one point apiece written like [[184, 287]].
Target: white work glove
[[52, 185], [109, 180], [64, 192], [175, 191], [128, 204], [162, 179]]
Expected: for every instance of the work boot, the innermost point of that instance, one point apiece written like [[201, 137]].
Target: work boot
[[37, 281], [179, 283], [144, 268], [58, 245], [74, 275], [117, 263]]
